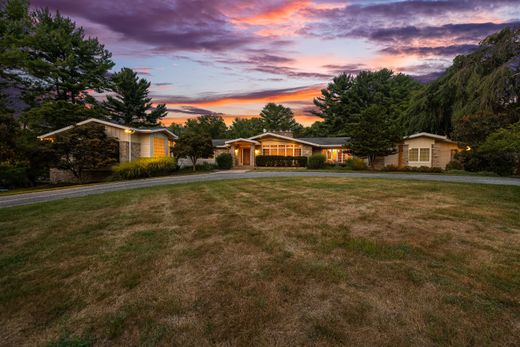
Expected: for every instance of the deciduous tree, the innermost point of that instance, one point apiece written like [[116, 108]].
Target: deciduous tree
[[193, 145]]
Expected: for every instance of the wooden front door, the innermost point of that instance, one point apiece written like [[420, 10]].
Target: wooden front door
[[246, 156]]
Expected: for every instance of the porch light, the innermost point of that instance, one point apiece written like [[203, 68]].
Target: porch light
[[129, 131], [257, 152], [468, 148]]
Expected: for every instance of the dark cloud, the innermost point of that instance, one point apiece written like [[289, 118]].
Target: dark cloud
[[191, 110], [162, 84], [167, 26], [436, 51], [347, 68]]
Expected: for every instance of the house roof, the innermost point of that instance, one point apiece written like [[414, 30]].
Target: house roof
[[429, 135], [115, 125], [326, 141], [311, 141]]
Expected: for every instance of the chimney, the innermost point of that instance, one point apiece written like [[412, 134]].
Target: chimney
[[286, 133]]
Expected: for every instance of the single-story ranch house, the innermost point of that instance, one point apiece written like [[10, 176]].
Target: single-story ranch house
[[422, 149], [145, 142]]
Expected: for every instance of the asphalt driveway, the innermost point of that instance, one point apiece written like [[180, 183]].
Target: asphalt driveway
[[50, 195]]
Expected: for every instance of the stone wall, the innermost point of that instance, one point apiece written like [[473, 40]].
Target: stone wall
[[123, 151], [307, 150]]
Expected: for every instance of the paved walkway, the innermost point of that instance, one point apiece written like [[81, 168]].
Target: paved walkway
[[50, 195]]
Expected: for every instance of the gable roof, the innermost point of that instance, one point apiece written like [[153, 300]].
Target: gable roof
[[311, 141], [429, 135], [327, 141], [242, 140], [114, 125]]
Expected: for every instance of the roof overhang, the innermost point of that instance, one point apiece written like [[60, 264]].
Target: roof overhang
[[429, 135], [249, 140], [288, 138], [118, 126]]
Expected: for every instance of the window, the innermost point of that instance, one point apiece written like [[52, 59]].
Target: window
[[159, 147], [419, 154], [413, 154], [282, 150], [339, 155], [424, 154]]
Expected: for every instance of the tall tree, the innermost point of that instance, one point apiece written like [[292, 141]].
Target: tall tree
[[212, 124], [348, 96], [373, 132], [480, 85], [56, 114], [64, 62], [244, 128], [131, 104], [278, 117], [193, 145]]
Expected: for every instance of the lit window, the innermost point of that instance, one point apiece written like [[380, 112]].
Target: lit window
[[413, 154], [424, 154]]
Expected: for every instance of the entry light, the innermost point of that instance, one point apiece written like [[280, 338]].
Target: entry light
[[129, 131], [468, 148]]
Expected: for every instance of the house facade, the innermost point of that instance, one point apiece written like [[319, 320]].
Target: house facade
[[134, 143], [143, 142], [422, 149], [245, 150]]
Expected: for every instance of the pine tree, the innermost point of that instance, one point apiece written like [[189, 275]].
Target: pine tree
[[131, 104]]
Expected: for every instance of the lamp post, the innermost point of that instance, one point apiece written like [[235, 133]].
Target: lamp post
[[129, 132]]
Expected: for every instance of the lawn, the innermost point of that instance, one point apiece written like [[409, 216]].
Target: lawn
[[293, 261]]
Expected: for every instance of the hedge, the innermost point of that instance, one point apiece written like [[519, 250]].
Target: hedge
[[423, 169], [147, 167], [224, 161], [281, 161], [316, 161]]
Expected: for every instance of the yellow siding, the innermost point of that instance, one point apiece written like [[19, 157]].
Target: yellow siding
[[159, 147]]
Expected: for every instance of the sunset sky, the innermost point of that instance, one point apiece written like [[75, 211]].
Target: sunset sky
[[234, 56]]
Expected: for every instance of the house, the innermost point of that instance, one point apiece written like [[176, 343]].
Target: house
[[422, 149], [144, 143], [245, 150]]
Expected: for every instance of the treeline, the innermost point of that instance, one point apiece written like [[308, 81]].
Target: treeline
[[49, 70]]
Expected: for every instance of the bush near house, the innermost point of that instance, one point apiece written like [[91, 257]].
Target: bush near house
[[424, 169], [280, 161], [14, 175], [455, 165], [146, 167], [224, 161], [316, 161], [356, 164]]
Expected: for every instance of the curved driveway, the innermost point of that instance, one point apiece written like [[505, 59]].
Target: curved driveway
[[49, 195]]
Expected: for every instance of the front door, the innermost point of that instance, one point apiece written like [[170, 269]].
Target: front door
[[246, 156]]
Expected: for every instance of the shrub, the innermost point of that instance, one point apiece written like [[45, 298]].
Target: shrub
[[146, 167], [224, 161], [455, 165], [12, 176], [316, 161], [390, 168], [356, 163], [424, 169], [280, 161]]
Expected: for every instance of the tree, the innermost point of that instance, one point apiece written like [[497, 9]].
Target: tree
[[244, 128], [52, 115], [504, 144], [317, 129], [212, 124], [193, 145], [278, 118], [480, 85], [86, 147], [64, 62], [9, 132], [373, 133], [131, 104], [348, 96]]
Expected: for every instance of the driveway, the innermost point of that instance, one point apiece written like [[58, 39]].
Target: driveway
[[50, 195]]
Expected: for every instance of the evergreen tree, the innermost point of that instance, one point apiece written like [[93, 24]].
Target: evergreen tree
[[64, 62], [348, 96], [212, 124], [131, 104], [244, 128], [278, 118]]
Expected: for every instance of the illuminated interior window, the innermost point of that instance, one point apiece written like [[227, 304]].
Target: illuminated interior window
[[159, 148]]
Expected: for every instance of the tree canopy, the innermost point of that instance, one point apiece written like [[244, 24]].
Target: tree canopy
[[131, 104], [481, 85], [276, 117], [348, 96], [193, 145], [244, 128]]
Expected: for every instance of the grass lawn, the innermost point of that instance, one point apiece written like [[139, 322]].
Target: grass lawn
[[293, 261]]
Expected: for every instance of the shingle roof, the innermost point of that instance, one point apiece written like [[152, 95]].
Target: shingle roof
[[218, 142], [326, 141]]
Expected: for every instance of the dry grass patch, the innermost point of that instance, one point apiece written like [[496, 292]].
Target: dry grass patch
[[305, 261]]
